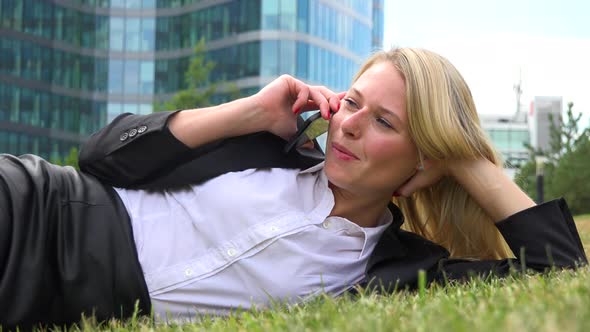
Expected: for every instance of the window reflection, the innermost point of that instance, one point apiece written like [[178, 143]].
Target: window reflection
[[148, 3], [113, 110], [133, 4], [132, 34], [145, 108], [269, 63], [270, 14], [288, 15], [147, 77], [131, 77], [117, 31], [115, 76], [148, 33]]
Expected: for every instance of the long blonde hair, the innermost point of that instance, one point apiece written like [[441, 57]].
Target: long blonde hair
[[444, 125]]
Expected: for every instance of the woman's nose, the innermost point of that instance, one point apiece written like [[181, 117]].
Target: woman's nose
[[353, 123]]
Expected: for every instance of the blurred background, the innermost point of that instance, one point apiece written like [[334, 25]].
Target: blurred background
[[68, 67]]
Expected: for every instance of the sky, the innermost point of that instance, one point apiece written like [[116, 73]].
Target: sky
[[545, 44]]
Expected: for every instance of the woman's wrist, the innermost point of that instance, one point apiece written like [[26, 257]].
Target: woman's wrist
[[490, 187], [195, 127], [460, 169]]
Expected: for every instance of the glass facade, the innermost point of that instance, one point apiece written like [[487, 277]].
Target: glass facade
[[67, 68], [509, 139], [511, 143]]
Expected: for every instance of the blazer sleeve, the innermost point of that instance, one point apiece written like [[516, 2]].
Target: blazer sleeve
[[139, 151], [541, 237], [133, 148]]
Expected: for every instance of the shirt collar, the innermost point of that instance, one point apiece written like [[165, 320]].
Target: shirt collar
[[312, 169]]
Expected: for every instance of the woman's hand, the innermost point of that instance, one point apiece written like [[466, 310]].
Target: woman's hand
[[431, 172], [282, 100], [274, 109], [485, 182]]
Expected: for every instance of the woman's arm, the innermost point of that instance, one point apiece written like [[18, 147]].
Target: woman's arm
[[135, 150], [497, 195], [541, 237], [273, 109]]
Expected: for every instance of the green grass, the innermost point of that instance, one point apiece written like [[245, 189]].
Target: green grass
[[557, 301]]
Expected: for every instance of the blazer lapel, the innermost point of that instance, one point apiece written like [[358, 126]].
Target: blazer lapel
[[389, 245]]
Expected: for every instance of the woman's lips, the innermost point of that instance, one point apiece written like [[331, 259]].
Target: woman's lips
[[343, 153]]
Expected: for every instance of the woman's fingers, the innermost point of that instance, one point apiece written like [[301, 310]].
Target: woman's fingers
[[301, 97], [423, 178], [303, 94], [335, 99], [323, 99]]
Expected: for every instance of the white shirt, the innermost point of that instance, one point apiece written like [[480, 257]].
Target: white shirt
[[246, 239]]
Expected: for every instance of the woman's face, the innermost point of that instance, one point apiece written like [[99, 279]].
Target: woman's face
[[369, 150]]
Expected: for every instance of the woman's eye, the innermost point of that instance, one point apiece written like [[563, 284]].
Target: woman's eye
[[384, 123], [350, 103]]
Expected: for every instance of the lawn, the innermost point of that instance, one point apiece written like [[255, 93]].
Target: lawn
[[558, 301]]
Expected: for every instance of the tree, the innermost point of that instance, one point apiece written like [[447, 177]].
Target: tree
[[567, 173], [571, 177], [70, 160], [199, 89]]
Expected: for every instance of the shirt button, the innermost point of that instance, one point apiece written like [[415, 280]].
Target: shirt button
[[188, 272], [124, 136], [141, 129], [132, 132], [231, 252], [326, 224]]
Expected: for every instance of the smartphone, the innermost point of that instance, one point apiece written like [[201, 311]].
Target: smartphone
[[313, 127]]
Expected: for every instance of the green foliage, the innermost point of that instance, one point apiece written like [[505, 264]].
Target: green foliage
[[70, 160], [199, 90], [557, 301], [571, 177], [567, 173]]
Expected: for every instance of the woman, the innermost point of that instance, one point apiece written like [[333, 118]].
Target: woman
[[222, 219]]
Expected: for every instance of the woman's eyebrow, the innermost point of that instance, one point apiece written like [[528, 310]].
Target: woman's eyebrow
[[379, 107]]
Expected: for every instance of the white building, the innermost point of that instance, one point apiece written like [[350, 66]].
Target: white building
[[542, 107]]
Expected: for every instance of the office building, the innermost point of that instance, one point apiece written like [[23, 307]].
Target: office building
[[67, 67], [510, 135]]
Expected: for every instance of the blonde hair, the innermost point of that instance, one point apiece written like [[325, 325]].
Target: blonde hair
[[444, 125]]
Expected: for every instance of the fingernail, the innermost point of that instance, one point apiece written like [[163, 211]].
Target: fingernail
[[296, 111], [396, 194]]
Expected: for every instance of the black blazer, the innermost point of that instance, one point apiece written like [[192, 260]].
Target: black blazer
[[139, 151]]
